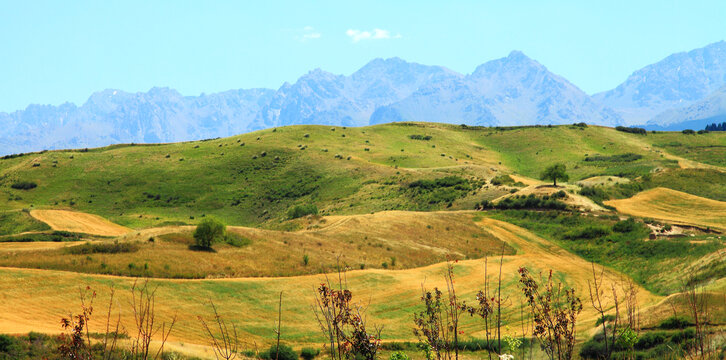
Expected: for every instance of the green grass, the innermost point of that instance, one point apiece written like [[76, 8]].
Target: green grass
[[708, 183], [253, 179], [141, 186], [14, 222], [700, 182], [706, 148], [586, 152], [595, 240], [55, 236]]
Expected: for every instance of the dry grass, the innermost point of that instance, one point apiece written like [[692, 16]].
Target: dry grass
[[603, 181], [414, 239], [674, 206], [79, 222], [252, 301]]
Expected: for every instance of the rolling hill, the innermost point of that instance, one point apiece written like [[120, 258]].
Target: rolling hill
[[256, 177], [395, 202]]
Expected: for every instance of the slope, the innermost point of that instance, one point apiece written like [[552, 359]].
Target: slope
[[255, 178], [392, 295], [674, 206]]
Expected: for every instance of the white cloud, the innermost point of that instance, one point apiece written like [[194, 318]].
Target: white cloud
[[307, 33], [376, 34]]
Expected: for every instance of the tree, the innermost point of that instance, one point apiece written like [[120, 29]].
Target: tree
[[208, 232], [554, 172]]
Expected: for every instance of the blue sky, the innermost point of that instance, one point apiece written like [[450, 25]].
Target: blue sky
[[57, 51]]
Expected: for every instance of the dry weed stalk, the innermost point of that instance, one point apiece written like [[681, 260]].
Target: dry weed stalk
[[597, 297], [489, 308], [697, 306], [226, 345], [437, 326], [143, 305], [343, 323], [77, 344], [555, 311]]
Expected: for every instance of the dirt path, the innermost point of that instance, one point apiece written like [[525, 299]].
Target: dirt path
[[79, 222]]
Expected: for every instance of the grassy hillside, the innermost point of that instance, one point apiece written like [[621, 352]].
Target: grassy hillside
[[386, 240], [15, 222], [391, 296], [625, 246], [255, 178], [674, 206], [150, 196], [707, 148]]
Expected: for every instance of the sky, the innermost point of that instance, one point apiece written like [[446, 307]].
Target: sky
[[57, 51]]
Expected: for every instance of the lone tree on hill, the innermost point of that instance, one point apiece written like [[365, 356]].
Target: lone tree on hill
[[208, 232], [554, 172]]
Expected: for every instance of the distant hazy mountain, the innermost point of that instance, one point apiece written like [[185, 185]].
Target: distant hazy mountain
[[320, 97], [514, 90], [697, 116], [114, 116], [676, 81]]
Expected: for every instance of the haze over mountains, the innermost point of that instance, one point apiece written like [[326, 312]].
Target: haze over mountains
[[684, 90]]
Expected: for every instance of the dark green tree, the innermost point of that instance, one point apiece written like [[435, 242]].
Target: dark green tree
[[554, 172], [208, 232]]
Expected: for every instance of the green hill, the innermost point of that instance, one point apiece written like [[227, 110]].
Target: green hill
[[255, 178]]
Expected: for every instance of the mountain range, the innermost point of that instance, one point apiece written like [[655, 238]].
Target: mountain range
[[683, 90]]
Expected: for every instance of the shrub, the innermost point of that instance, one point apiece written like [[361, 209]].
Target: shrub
[[627, 157], [588, 232], [208, 232], [632, 130], [236, 240], [688, 132], [420, 137], [103, 248], [681, 336], [284, 352], [649, 340], [593, 350], [674, 322], [606, 318], [502, 179], [524, 202], [6, 342], [398, 355], [298, 211], [23, 185], [448, 181], [309, 353], [625, 226]]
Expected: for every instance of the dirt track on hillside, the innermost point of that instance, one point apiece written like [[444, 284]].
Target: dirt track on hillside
[[79, 222]]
